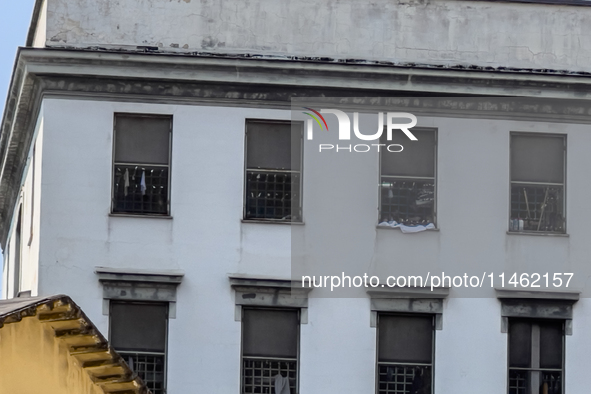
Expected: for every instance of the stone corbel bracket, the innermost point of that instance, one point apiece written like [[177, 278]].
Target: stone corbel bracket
[[269, 292], [139, 285], [537, 304], [408, 300]]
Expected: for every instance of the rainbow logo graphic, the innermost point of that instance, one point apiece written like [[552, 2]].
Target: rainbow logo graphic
[[315, 118]]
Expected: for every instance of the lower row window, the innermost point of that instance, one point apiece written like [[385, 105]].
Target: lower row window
[[138, 332], [270, 343], [536, 354], [405, 354], [270, 350]]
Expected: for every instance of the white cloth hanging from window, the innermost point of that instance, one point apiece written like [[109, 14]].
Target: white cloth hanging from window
[[143, 183], [407, 229], [281, 385]]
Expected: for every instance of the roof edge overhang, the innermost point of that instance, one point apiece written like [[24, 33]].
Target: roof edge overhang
[[104, 366], [232, 80]]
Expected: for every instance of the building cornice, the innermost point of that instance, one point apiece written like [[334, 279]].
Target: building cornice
[[234, 80]]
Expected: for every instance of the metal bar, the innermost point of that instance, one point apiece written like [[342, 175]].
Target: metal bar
[[535, 375], [410, 177], [131, 352], [265, 170], [270, 358], [141, 164], [404, 364], [517, 183]]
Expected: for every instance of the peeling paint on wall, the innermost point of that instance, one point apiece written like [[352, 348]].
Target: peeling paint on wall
[[427, 31]]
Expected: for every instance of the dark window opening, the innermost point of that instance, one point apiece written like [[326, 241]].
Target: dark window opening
[[18, 250], [273, 171], [270, 347], [536, 353], [537, 183], [407, 179], [141, 169], [405, 354], [138, 332]]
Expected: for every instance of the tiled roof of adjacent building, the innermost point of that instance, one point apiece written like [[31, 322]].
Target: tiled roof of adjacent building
[[84, 341]]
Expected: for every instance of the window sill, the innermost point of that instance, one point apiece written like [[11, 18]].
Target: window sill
[[537, 234], [129, 215], [396, 228], [270, 222]]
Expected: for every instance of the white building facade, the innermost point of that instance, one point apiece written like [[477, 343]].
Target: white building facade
[[156, 237]]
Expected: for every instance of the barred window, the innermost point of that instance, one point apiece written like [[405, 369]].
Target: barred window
[[405, 353], [270, 346], [138, 332], [536, 354], [273, 171], [141, 167], [537, 183], [407, 179]]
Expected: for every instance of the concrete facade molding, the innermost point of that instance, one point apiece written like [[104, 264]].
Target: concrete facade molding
[[127, 284], [408, 300], [249, 81], [269, 292], [522, 303]]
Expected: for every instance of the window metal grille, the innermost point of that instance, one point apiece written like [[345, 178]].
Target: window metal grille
[[403, 379], [270, 346], [405, 352], [539, 207], [150, 368], [138, 331], [519, 382], [273, 171], [407, 179], [536, 356], [141, 164], [258, 374], [270, 194], [537, 183], [140, 189], [407, 200]]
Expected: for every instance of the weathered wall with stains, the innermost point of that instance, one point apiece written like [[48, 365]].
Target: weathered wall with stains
[[206, 239], [33, 361], [445, 32]]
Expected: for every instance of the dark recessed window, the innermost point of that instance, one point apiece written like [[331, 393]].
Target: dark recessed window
[[273, 171], [270, 347], [138, 332], [536, 354], [407, 179], [537, 183], [141, 168], [405, 354]]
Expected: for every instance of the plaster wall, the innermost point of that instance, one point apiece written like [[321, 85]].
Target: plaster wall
[[207, 240], [438, 32]]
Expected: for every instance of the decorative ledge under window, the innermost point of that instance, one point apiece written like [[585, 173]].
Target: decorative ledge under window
[[269, 292], [408, 300], [405, 320], [536, 323], [271, 311], [537, 305], [127, 284]]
